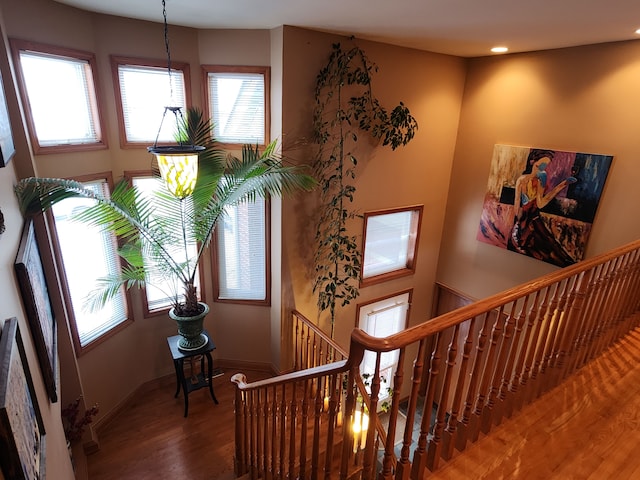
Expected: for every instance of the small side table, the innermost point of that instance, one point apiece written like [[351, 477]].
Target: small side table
[[178, 362]]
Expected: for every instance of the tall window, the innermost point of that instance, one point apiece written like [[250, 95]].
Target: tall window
[[390, 243], [158, 291], [144, 88], [241, 259], [238, 102], [58, 88], [87, 254], [383, 318]]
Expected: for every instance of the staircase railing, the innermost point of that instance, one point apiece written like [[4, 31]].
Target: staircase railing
[[480, 363]]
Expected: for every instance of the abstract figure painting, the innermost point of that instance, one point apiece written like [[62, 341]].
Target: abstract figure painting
[[542, 203]]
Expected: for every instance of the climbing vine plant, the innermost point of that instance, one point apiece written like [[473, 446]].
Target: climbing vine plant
[[344, 109]]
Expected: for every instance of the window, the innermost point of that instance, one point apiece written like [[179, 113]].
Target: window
[[144, 88], [238, 102], [58, 88], [158, 291], [390, 244], [86, 254], [383, 318], [241, 258]]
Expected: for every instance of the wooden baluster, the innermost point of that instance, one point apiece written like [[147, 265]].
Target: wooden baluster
[[523, 366], [282, 408], [616, 301], [369, 447], [304, 428], [403, 467], [297, 349], [598, 328], [587, 319], [318, 404], [510, 375], [537, 376], [387, 459], [240, 461], [293, 412], [530, 378], [331, 424], [449, 435], [273, 414], [347, 420], [315, 359], [491, 366], [259, 438], [469, 427], [573, 316], [435, 446], [623, 296], [420, 454], [632, 285]]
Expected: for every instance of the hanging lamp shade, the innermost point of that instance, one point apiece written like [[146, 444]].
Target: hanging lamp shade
[[178, 166]]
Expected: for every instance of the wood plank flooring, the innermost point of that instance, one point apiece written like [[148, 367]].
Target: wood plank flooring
[[586, 429]]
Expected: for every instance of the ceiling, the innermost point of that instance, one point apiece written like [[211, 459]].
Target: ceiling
[[467, 28]]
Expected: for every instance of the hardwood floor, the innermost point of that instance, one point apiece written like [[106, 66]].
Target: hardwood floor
[[152, 439], [587, 428]]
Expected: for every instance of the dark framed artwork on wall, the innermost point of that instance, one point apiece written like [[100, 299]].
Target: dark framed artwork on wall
[[35, 297], [7, 149], [22, 435], [542, 203]]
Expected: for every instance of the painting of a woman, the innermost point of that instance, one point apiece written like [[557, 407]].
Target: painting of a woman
[[542, 203], [530, 235]]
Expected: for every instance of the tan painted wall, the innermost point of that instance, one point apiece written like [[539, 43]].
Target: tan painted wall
[[116, 368], [431, 85], [579, 99]]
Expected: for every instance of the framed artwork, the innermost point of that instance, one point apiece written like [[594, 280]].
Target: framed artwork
[[542, 203], [35, 296], [7, 149], [22, 435]]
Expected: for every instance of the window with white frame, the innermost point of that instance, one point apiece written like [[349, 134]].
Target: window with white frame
[[159, 290], [238, 103], [144, 88], [241, 259], [87, 254], [383, 318], [390, 243], [59, 91]]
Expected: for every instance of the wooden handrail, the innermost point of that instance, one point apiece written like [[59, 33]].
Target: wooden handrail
[[468, 369]]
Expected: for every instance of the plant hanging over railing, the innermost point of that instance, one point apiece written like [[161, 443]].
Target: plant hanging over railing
[[345, 107]]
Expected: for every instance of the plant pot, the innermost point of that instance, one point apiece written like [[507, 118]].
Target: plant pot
[[190, 329]]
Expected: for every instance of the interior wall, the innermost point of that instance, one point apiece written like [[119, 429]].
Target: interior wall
[[114, 369], [575, 99], [431, 85]]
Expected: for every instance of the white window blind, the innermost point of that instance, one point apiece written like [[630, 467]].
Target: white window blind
[[160, 289], [61, 99], [237, 106], [241, 252], [88, 254], [144, 92], [387, 243], [382, 319]]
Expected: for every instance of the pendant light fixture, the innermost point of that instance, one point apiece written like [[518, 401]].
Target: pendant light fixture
[[178, 164]]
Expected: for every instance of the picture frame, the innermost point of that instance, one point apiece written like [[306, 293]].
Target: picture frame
[[7, 148], [22, 435], [37, 304]]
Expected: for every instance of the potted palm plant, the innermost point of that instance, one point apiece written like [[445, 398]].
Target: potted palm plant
[[151, 229]]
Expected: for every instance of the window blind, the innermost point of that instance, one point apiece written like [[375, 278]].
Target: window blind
[[241, 252], [144, 92], [88, 254], [237, 106], [61, 98]]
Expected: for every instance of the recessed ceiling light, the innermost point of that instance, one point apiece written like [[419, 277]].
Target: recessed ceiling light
[[638, 31], [499, 49]]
